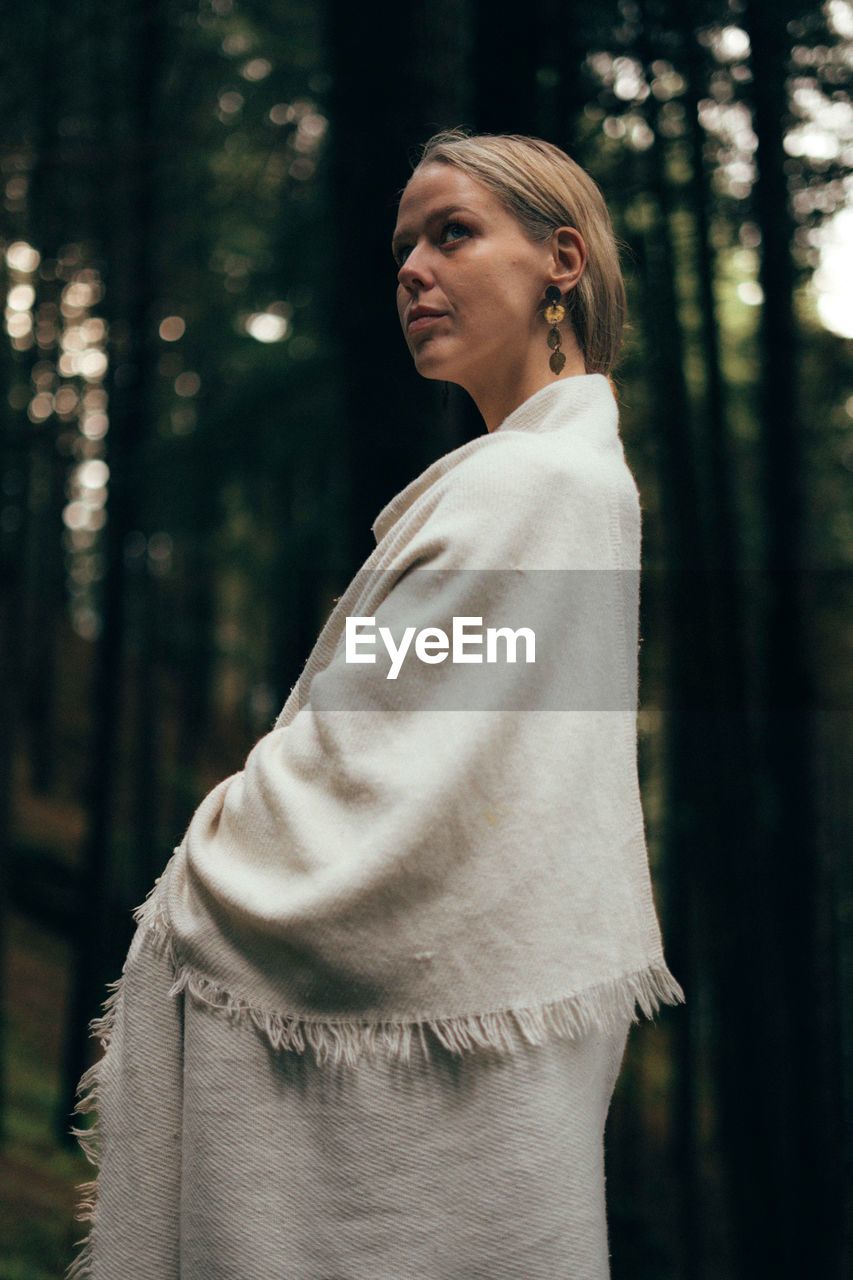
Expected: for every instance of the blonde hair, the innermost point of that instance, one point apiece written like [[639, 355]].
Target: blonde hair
[[544, 189]]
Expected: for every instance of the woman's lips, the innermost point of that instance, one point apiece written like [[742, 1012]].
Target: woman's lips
[[423, 322]]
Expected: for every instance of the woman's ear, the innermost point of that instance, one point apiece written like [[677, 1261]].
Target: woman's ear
[[569, 257]]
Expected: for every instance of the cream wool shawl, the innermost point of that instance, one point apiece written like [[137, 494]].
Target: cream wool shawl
[[457, 853], [412, 854], [460, 851]]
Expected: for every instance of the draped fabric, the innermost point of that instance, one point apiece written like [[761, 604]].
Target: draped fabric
[[426, 859], [459, 849], [222, 1160]]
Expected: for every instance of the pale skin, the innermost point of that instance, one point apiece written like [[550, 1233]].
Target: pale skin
[[462, 253]]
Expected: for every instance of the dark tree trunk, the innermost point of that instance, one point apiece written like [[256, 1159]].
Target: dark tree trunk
[[47, 600], [726, 927], [194, 647], [504, 62], [44, 595], [15, 472], [132, 58], [25, 444], [803, 1053], [689, 803], [380, 114]]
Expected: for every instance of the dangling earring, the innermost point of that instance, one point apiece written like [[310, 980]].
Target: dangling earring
[[554, 313]]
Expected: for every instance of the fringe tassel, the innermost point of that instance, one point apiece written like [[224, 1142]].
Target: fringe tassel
[[90, 1139], [87, 1093], [604, 1007]]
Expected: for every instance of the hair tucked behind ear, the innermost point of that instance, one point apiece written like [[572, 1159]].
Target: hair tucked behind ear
[[545, 189]]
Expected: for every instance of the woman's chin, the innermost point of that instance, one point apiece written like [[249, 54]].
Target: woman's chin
[[430, 363]]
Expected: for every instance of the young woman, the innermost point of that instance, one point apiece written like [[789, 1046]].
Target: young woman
[[375, 1008]]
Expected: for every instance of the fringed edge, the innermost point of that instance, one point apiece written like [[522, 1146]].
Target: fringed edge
[[88, 1091], [604, 1008], [89, 1139]]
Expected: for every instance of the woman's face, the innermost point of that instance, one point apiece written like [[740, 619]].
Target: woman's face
[[462, 255]]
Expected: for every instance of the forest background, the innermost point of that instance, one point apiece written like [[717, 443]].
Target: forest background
[[205, 400]]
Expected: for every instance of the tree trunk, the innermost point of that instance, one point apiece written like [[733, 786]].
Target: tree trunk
[[379, 117], [133, 57], [689, 803], [22, 441], [790, 874]]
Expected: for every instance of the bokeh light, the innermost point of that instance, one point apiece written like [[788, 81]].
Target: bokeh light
[[266, 326], [172, 328]]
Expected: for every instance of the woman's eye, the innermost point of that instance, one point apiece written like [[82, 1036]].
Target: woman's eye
[[404, 250], [454, 226]]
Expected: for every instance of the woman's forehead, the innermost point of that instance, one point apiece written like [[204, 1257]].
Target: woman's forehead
[[436, 189]]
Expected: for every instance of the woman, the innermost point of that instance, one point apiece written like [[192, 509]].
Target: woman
[[423, 906]]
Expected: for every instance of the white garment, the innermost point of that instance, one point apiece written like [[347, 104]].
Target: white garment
[[460, 850], [453, 899], [483, 1166]]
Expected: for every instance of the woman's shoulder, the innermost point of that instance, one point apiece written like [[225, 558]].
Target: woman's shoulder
[[526, 501], [516, 463], [520, 477]]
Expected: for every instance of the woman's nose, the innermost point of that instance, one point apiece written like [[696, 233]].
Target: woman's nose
[[413, 274]]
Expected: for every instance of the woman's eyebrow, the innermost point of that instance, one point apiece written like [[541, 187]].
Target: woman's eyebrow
[[446, 209]]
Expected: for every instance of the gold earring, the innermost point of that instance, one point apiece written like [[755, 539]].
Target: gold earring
[[554, 313]]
